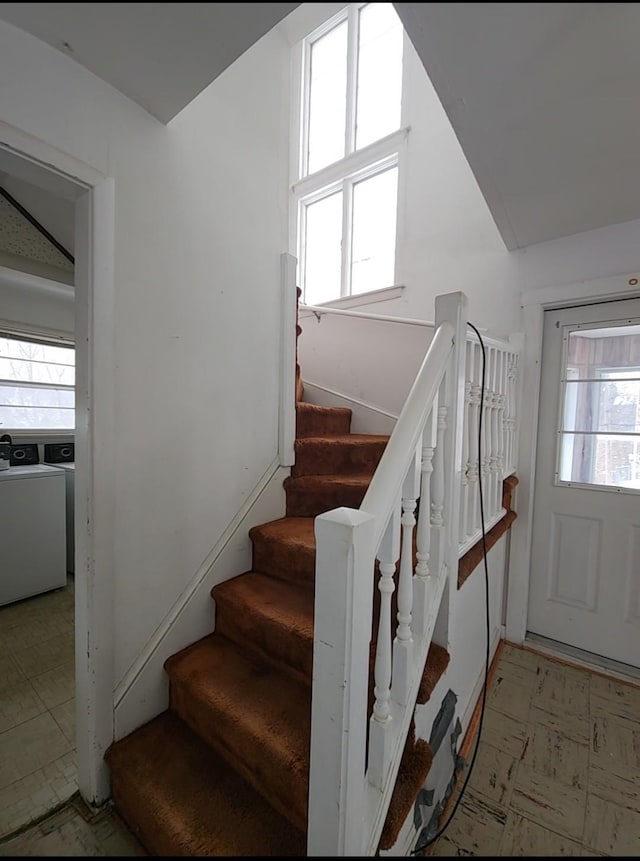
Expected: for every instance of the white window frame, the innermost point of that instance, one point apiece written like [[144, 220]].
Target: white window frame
[[52, 339], [561, 433], [357, 165]]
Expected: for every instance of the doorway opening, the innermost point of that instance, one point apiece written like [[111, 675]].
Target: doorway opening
[[56, 697]]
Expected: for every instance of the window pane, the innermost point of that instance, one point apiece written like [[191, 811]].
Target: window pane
[[27, 361], [323, 250], [606, 406], [605, 459], [34, 418], [606, 347], [379, 73], [373, 248], [327, 99]]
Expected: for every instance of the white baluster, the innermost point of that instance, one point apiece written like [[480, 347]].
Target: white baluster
[[422, 582], [380, 721], [403, 643], [473, 467], [437, 494], [464, 480]]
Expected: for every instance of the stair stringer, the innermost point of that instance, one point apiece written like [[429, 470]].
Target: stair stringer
[[144, 692]]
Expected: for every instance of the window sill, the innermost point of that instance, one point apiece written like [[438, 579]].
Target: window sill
[[373, 296]]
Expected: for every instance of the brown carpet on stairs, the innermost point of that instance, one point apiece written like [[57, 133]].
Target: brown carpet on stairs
[[224, 771]]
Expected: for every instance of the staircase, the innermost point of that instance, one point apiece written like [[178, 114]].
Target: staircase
[[225, 769]]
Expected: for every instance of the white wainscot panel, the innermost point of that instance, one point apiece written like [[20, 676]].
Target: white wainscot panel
[[573, 560]]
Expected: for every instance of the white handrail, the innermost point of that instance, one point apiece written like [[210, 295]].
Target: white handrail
[[392, 468], [319, 310]]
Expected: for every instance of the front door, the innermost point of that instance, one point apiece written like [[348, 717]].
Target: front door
[[585, 562]]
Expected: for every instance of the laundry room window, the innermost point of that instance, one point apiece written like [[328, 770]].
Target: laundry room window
[[350, 147], [37, 384]]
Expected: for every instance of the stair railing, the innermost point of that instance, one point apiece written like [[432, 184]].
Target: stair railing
[[499, 433], [355, 752]]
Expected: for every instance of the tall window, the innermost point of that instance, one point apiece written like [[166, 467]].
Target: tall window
[[350, 141], [37, 385]]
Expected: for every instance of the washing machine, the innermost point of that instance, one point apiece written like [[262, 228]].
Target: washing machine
[[62, 455], [32, 531]]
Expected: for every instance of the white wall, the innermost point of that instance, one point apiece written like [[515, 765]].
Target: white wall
[[36, 309], [373, 361], [200, 222]]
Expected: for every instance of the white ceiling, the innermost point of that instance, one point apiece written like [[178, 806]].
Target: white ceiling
[[161, 55], [543, 97], [545, 101]]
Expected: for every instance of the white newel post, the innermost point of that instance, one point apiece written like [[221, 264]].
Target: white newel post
[[464, 480], [403, 643], [288, 342], [500, 422], [380, 721], [452, 307], [423, 581], [342, 634], [492, 444]]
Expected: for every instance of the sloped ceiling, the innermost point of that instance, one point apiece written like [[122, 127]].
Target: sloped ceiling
[[544, 99], [160, 55]]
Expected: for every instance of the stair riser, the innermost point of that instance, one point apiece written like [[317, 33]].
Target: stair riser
[[289, 650], [285, 561], [282, 783], [324, 457], [303, 503], [322, 424], [153, 833]]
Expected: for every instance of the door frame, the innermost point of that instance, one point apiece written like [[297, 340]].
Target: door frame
[[94, 444], [534, 304]]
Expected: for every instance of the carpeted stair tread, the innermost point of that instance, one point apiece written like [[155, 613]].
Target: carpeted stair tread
[[436, 663], [347, 454], [310, 495], [314, 420], [272, 617], [285, 548], [180, 798], [416, 761], [258, 719]]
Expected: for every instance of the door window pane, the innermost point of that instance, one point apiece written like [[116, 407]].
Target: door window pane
[[323, 249], [600, 427], [374, 232], [327, 99], [606, 406], [379, 92], [606, 459]]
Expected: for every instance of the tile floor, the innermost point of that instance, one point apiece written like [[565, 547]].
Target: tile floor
[[557, 771], [37, 733], [74, 830], [558, 767]]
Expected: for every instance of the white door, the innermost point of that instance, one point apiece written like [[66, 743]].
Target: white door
[[585, 562]]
